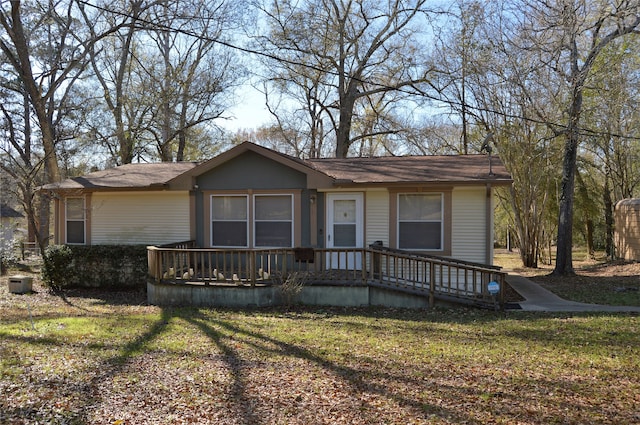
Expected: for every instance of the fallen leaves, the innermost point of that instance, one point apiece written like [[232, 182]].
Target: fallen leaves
[[144, 365]]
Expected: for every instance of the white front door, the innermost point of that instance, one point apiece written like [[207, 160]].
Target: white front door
[[345, 229]]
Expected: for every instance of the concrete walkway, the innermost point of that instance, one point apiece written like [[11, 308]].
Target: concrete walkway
[[539, 299]]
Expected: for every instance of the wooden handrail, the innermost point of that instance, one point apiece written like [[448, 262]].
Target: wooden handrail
[[431, 276], [421, 254]]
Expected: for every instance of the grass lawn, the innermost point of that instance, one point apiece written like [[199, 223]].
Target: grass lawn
[[94, 358]]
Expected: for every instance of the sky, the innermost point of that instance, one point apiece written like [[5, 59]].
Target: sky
[[250, 113]]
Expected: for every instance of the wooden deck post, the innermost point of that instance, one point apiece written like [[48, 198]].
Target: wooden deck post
[[432, 285]]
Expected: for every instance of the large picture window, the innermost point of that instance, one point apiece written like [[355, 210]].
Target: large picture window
[[273, 220], [420, 221], [229, 221], [75, 221]]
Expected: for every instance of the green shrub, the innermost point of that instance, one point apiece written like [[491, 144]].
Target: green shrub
[[96, 266], [8, 257], [56, 266], [6, 262]]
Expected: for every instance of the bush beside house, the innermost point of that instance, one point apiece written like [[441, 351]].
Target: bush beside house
[[113, 267]]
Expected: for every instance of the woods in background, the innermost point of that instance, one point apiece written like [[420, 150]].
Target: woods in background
[[89, 85]]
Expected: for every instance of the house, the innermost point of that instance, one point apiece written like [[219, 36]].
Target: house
[[10, 220], [394, 231], [251, 197]]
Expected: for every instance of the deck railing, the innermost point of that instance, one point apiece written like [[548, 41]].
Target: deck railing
[[433, 277]]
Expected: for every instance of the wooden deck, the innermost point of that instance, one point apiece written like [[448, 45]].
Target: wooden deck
[[415, 273]]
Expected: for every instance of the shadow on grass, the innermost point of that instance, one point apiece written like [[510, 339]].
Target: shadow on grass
[[115, 297], [74, 386], [566, 331], [115, 365], [359, 380]]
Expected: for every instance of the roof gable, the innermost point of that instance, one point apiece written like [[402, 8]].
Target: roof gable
[[315, 178]]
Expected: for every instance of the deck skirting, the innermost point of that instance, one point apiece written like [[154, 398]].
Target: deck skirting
[[163, 294]]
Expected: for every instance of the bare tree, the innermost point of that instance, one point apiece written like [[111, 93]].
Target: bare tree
[[551, 48], [40, 85], [17, 160], [166, 75], [296, 98], [46, 56], [113, 62], [612, 106], [197, 73], [486, 87], [350, 50], [460, 57]]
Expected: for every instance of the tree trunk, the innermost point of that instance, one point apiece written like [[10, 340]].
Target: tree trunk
[[608, 219], [626, 22], [527, 239], [343, 135], [125, 143], [590, 248], [564, 255], [182, 125], [35, 94], [42, 234]]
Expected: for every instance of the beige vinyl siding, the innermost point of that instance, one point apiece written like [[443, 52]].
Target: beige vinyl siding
[[377, 217], [139, 218], [469, 224]]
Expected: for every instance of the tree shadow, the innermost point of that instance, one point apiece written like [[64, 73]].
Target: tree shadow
[[115, 365], [359, 380], [75, 386], [102, 297], [360, 377]]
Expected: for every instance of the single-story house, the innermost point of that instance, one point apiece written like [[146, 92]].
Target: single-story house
[[251, 197], [10, 221]]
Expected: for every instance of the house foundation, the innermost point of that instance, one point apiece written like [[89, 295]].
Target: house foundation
[[162, 294]]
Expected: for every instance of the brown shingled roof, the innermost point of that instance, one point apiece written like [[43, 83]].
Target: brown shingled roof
[[415, 169], [427, 169], [128, 176]]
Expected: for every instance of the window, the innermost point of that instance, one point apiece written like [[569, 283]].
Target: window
[[75, 224], [420, 221], [273, 220], [229, 221], [345, 223]]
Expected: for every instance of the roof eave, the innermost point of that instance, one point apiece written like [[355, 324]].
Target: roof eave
[[94, 189], [448, 183]]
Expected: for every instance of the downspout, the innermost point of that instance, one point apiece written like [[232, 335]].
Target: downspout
[[193, 193], [489, 225], [56, 220]]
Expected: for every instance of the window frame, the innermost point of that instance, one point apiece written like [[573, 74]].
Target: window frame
[[67, 220], [441, 221], [254, 220], [250, 196], [246, 220]]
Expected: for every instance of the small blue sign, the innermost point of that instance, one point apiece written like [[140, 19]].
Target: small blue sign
[[493, 287]]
